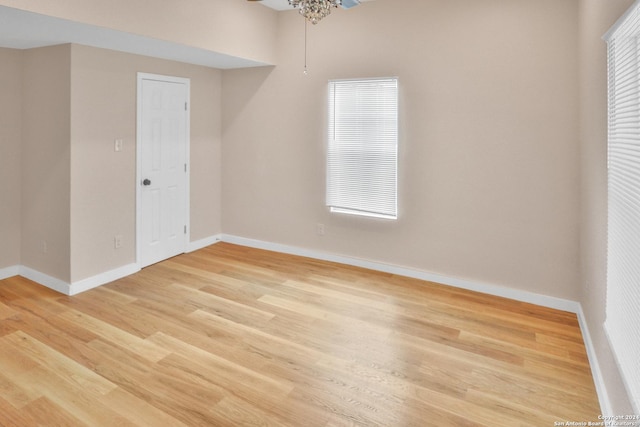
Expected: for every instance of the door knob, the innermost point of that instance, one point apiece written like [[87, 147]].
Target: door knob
[[146, 182]]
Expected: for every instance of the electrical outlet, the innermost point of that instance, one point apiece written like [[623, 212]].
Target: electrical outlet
[[320, 230], [117, 241], [118, 144], [44, 247]]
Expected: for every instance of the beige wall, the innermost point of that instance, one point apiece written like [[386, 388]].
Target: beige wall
[[488, 139], [233, 27], [596, 16], [46, 161], [103, 182], [65, 192], [10, 138]]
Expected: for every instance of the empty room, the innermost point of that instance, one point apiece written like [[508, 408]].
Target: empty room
[[319, 213]]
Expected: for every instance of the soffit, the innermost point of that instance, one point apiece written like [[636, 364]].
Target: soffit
[[20, 29]]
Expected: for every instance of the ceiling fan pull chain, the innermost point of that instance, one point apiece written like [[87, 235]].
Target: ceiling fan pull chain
[[306, 71]]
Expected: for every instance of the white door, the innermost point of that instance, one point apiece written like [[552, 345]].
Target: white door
[[163, 142]]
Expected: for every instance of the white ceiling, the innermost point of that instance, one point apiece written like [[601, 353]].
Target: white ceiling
[[26, 30], [277, 4]]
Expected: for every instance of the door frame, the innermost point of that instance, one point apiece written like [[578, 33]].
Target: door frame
[[167, 79]]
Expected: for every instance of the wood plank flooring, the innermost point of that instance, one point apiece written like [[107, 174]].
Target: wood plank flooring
[[233, 336]]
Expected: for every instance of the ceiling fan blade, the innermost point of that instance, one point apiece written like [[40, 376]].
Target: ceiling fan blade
[[348, 4]]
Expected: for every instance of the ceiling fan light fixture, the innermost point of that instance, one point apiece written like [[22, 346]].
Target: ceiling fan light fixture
[[315, 10]]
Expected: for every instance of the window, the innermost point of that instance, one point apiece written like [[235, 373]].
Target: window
[[623, 241], [362, 152]]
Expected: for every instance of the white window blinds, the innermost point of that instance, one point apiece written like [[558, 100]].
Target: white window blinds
[[362, 152], [623, 241]]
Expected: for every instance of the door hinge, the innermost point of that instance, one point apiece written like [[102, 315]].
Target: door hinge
[[185, 167], [185, 106], [185, 229]]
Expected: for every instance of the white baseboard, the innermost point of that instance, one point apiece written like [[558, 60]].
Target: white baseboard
[[46, 280], [103, 278], [79, 286], [203, 243], [126, 270], [515, 294], [7, 272], [90, 282], [596, 372]]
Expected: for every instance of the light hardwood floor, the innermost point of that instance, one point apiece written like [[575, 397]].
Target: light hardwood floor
[[232, 336]]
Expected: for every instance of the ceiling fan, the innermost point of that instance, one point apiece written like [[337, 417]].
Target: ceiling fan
[[346, 4], [312, 10]]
